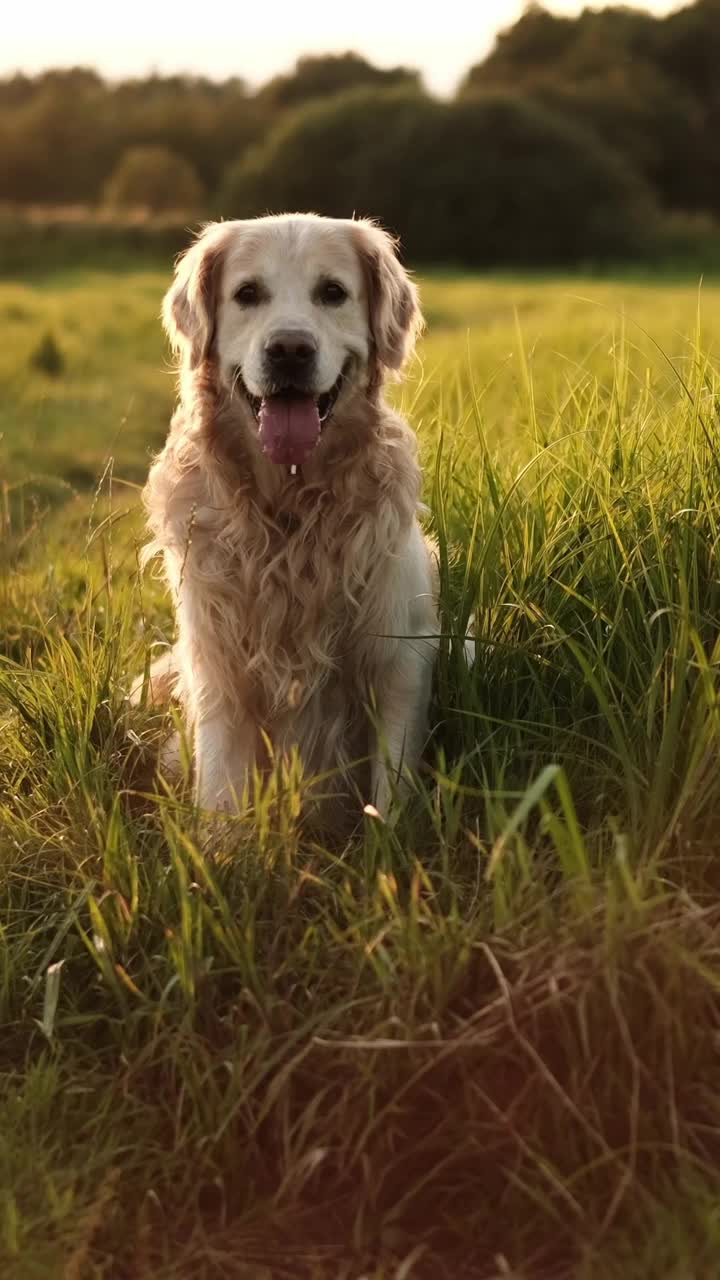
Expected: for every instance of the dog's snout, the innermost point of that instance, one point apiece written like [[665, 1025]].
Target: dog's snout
[[290, 350]]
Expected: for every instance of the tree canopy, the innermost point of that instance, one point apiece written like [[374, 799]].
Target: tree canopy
[[595, 124]]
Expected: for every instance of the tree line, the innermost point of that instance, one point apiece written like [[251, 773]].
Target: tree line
[[574, 138]]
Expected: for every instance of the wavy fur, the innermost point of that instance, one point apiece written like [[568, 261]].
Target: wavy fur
[[295, 595]]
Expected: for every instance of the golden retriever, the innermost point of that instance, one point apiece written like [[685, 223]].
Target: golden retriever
[[284, 505]]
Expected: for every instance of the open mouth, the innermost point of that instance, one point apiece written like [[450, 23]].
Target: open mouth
[[290, 421]]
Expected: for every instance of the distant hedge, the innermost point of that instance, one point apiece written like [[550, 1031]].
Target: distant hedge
[[35, 241], [494, 178], [38, 240]]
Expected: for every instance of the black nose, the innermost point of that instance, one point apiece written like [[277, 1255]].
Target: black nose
[[290, 351]]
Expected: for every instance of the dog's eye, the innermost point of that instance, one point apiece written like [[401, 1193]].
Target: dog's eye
[[331, 292], [248, 295]]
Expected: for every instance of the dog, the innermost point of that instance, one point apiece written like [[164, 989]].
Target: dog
[[285, 508]]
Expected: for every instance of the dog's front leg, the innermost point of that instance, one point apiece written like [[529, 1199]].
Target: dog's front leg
[[224, 757], [402, 697]]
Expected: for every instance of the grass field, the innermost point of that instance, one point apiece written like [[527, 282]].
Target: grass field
[[484, 1043]]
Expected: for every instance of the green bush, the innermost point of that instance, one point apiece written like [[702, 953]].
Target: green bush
[[336, 157], [153, 178], [47, 357], [494, 179]]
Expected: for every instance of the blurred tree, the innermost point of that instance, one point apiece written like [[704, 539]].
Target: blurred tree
[[204, 121], [493, 179], [154, 178], [321, 76], [645, 85], [645, 88], [656, 128], [16, 90], [50, 143], [336, 157], [542, 47], [63, 132], [687, 47]]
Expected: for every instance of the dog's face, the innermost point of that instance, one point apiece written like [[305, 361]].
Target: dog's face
[[298, 313]]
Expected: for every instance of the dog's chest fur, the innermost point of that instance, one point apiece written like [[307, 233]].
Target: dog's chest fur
[[282, 598], [285, 598]]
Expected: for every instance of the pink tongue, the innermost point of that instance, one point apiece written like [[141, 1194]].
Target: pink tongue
[[289, 428]]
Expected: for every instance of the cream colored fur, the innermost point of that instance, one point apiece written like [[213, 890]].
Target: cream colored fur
[[303, 601]]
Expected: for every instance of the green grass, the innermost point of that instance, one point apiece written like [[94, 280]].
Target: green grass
[[483, 1042]]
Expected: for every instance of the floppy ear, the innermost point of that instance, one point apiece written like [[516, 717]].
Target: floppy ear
[[393, 305], [190, 304]]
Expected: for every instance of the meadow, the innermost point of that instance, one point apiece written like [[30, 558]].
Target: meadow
[[483, 1042]]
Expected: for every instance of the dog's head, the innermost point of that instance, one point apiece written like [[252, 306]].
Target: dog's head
[[297, 314]]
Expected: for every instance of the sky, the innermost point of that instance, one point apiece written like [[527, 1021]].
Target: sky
[[255, 40]]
